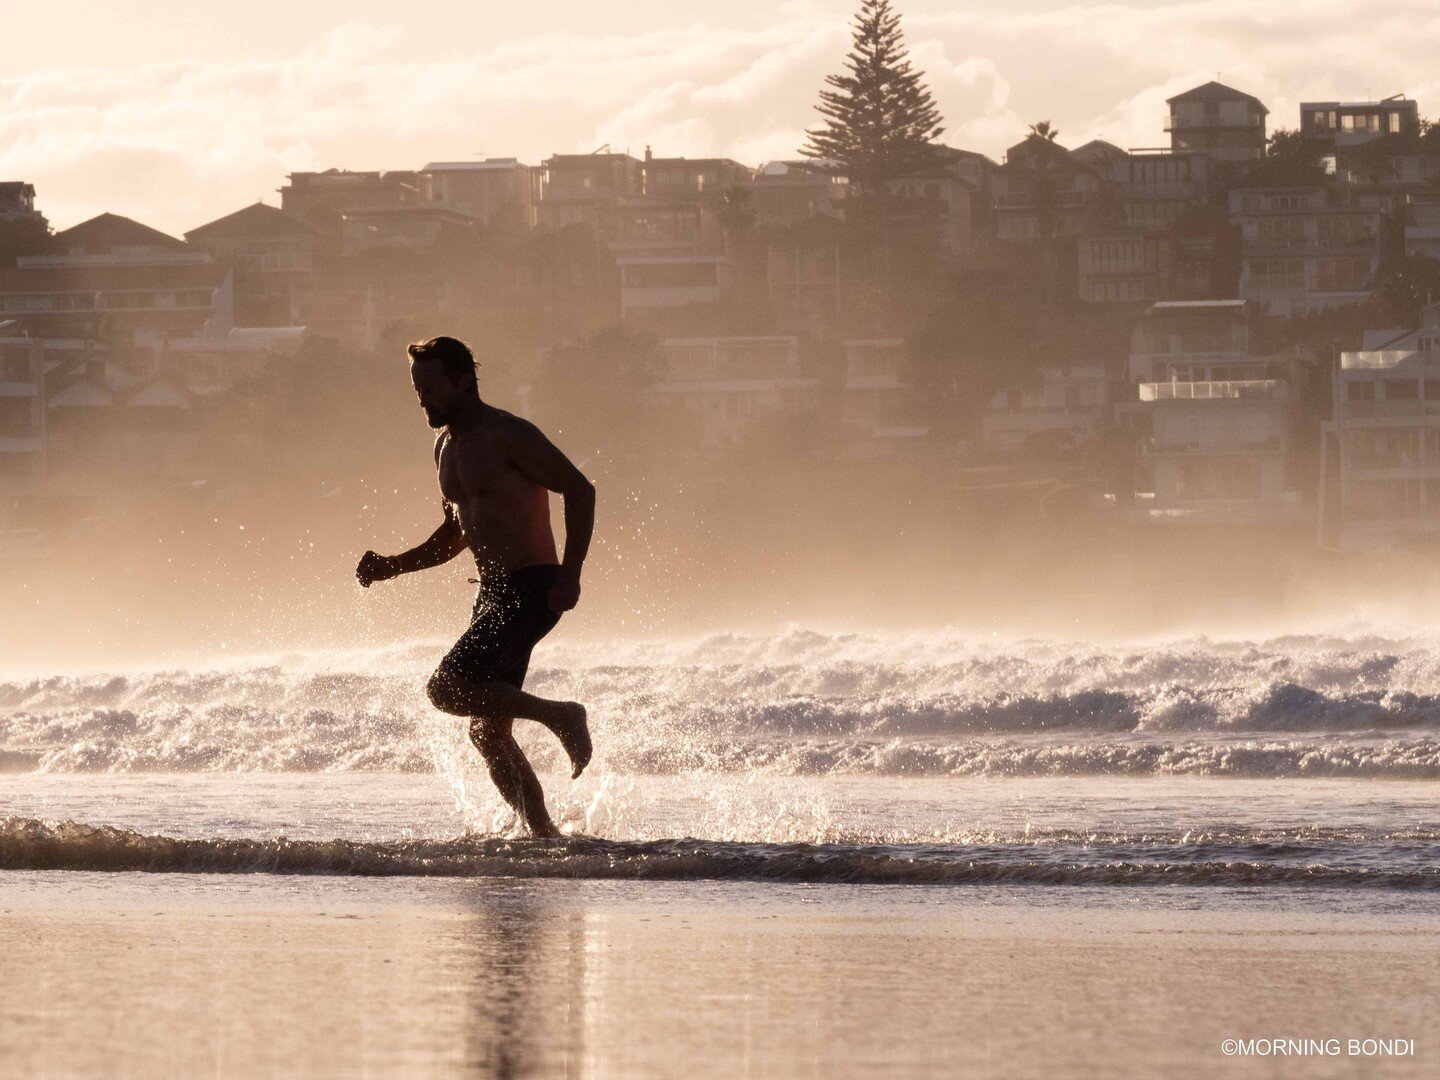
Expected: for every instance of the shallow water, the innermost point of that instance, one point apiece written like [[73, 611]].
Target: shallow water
[[805, 854]]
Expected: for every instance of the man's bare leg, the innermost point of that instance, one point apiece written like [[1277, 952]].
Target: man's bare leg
[[512, 774], [489, 699]]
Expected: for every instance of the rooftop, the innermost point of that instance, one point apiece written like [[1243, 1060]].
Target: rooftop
[[1399, 101], [488, 165], [257, 219], [104, 232], [1216, 91]]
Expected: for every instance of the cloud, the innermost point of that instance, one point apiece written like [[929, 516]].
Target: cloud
[[181, 143]]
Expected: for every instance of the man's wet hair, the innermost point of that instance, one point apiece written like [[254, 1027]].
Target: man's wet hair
[[453, 356]]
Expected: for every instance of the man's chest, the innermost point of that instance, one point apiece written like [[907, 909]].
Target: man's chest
[[472, 467]]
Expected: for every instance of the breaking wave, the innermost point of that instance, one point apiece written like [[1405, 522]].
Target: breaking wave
[[791, 704], [27, 844]]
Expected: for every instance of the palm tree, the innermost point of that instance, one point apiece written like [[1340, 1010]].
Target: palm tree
[[1044, 130]]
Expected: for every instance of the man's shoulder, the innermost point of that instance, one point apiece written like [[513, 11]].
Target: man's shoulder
[[511, 427]]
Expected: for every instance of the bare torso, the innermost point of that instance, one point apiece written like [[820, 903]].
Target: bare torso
[[504, 514]]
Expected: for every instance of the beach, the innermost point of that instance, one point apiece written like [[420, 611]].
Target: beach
[[796, 855], [189, 975]]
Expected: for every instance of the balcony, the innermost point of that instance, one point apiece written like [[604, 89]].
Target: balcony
[[1366, 410], [1226, 390], [1153, 447], [1025, 200]]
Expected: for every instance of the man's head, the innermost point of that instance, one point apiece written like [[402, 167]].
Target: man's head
[[443, 372]]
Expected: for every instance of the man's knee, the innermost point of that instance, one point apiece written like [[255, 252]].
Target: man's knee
[[446, 692], [459, 696]]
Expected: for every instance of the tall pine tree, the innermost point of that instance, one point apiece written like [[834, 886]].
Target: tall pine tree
[[880, 121]]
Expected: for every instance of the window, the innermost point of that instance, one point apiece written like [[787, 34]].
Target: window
[[1384, 448], [1360, 391], [670, 275], [1432, 452], [1343, 230], [1277, 273], [14, 417], [1401, 389], [1206, 481], [129, 301], [1341, 274], [1283, 233]]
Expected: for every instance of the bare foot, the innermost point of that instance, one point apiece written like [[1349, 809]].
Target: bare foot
[[574, 735], [544, 830]]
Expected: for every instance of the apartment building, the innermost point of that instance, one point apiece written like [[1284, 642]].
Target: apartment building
[[574, 187], [416, 229], [1124, 265], [679, 179], [648, 227], [975, 169], [271, 252], [490, 191], [724, 386], [1165, 242], [322, 197], [1215, 422], [115, 277], [806, 273], [937, 207], [17, 201], [784, 193], [1220, 123], [1422, 225], [22, 413], [1158, 188], [1043, 192], [878, 406], [1065, 412], [1380, 459], [670, 281], [1337, 124], [1305, 249]]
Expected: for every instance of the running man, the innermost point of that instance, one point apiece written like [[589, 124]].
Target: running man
[[494, 471]]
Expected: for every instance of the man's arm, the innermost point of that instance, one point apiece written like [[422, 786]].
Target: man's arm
[[541, 460], [443, 545]]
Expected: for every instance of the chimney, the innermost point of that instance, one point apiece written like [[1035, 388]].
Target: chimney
[[648, 155]]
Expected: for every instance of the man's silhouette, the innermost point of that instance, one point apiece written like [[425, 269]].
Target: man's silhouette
[[494, 470]]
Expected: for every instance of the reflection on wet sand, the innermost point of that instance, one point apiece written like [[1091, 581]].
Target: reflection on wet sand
[[139, 975], [526, 990]]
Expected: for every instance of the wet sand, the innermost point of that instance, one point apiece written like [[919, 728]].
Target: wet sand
[[135, 975]]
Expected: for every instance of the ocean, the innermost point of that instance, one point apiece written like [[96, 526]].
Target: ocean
[[801, 853]]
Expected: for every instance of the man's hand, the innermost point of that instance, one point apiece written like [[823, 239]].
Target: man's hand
[[373, 568], [565, 593]]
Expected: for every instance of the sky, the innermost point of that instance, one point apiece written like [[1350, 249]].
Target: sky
[[176, 113]]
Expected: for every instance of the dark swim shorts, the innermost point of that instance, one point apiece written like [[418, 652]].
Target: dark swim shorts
[[512, 613]]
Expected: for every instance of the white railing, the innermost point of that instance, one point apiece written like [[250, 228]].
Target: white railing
[[1266, 389]]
